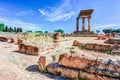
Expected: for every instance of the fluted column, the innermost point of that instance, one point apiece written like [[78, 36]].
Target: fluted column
[[77, 24], [89, 27], [83, 24]]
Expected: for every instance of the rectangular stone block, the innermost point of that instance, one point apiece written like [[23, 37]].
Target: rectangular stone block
[[103, 47], [22, 48], [43, 62], [82, 62], [3, 39], [58, 70], [32, 50], [89, 76], [90, 46], [75, 62]]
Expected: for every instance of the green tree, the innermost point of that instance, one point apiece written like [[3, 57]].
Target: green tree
[[5, 29], [46, 32], [59, 30], [97, 31], [15, 30], [2, 26], [107, 31], [19, 30], [10, 29], [29, 31]]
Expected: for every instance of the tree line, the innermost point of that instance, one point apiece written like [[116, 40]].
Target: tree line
[[5, 28], [108, 31]]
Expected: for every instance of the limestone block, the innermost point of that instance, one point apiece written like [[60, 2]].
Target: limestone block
[[3, 39]]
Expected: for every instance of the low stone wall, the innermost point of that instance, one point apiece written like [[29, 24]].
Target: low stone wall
[[59, 70], [11, 40], [90, 46], [113, 41], [93, 46], [28, 49], [3, 39], [82, 63], [81, 67]]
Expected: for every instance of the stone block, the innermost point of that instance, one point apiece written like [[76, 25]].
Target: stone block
[[102, 47], [22, 48], [43, 62], [56, 69], [90, 46], [3, 39], [75, 43], [75, 62]]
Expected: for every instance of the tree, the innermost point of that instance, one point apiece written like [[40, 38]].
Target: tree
[[107, 31], [2, 26], [46, 32], [19, 29], [10, 29], [29, 31], [5, 29], [39, 32], [15, 30], [59, 30], [97, 31]]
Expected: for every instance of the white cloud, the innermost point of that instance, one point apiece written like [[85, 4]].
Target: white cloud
[[59, 13], [25, 12], [109, 25], [19, 23]]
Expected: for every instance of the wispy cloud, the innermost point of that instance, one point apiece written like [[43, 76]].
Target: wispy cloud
[[25, 12], [62, 12], [19, 23], [109, 25]]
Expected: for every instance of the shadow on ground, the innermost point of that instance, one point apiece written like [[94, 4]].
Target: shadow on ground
[[22, 53], [32, 68]]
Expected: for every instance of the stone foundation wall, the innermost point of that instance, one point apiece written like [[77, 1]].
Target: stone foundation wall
[[93, 46], [81, 67], [3, 39], [28, 49], [82, 63]]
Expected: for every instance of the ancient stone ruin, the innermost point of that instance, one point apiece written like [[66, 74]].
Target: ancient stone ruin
[[83, 15]]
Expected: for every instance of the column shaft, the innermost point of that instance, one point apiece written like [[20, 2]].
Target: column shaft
[[83, 24], [89, 27], [77, 24]]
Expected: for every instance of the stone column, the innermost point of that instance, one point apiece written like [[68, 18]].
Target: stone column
[[77, 24], [83, 24], [89, 24]]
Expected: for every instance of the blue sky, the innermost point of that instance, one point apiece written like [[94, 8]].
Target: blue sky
[[58, 14]]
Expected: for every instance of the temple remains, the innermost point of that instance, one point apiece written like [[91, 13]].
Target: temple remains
[[83, 15]]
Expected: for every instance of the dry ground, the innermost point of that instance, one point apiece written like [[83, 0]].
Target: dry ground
[[17, 66]]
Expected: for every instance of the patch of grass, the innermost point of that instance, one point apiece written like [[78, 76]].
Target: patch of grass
[[83, 47], [54, 58], [59, 74], [108, 51]]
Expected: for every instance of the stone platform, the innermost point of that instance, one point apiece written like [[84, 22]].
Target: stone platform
[[84, 34]]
